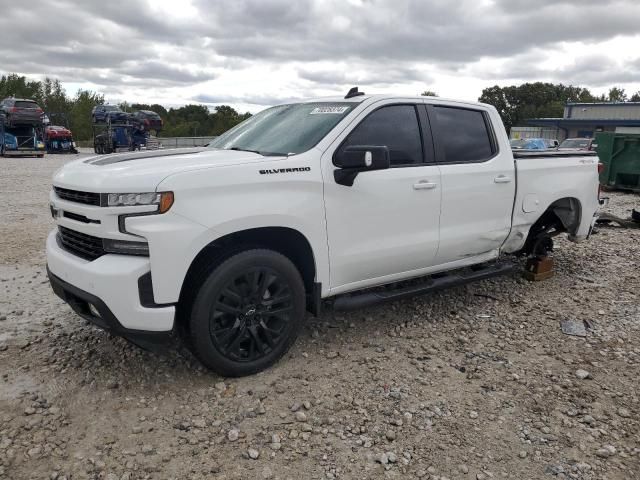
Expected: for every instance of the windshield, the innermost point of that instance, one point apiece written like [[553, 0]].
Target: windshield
[[575, 143], [285, 129], [110, 108]]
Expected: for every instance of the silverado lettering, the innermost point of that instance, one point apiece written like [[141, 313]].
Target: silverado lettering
[[285, 170]]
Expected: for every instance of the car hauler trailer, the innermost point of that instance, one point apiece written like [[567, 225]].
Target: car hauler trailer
[[21, 140], [112, 137]]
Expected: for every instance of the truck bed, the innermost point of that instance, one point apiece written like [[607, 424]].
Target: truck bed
[[546, 176]]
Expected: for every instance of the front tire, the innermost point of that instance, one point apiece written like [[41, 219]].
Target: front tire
[[247, 313]]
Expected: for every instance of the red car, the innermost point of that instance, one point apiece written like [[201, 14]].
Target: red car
[[59, 139], [57, 132], [150, 120]]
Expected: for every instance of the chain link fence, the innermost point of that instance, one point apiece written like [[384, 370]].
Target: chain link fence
[[165, 142]]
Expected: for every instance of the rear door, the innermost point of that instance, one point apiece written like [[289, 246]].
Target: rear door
[[478, 182]]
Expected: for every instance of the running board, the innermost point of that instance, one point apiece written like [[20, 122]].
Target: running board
[[431, 284]]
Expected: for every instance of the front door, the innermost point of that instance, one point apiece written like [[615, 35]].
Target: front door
[[387, 223]]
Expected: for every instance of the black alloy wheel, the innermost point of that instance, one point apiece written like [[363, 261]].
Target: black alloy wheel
[[248, 312], [251, 314]]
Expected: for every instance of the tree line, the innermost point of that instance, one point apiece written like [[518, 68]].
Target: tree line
[[517, 103], [74, 112]]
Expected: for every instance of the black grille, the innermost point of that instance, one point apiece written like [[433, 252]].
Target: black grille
[[88, 198], [80, 244], [79, 218]]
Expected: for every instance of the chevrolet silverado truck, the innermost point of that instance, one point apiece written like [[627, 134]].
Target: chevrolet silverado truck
[[364, 198]]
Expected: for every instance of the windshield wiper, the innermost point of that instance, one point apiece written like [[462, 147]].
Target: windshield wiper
[[264, 154], [238, 149]]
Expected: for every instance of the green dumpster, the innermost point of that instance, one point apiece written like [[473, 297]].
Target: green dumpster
[[620, 154]]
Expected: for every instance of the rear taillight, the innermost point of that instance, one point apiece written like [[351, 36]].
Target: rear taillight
[[39, 110], [13, 109], [600, 167]]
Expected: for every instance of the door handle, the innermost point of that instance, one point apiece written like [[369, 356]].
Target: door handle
[[424, 185], [502, 179]]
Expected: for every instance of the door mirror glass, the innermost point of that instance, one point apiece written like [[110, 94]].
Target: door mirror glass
[[363, 157]]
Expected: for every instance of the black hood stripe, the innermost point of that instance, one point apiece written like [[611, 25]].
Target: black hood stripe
[[126, 157]]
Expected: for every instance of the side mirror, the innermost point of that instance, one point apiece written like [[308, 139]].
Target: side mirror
[[359, 158]]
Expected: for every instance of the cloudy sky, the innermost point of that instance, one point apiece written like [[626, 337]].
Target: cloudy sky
[[255, 53]]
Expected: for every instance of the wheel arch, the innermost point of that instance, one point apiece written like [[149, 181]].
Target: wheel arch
[[562, 215], [569, 212], [285, 240]]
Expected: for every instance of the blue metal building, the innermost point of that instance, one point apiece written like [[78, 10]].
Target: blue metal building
[[585, 119]]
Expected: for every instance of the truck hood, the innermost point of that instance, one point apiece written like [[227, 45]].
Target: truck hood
[[142, 171]]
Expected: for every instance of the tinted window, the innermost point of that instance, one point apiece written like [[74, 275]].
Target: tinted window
[[395, 126], [23, 104], [463, 135], [575, 143]]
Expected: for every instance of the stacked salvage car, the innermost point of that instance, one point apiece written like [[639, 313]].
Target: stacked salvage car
[[21, 128], [111, 129], [115, 130], [59, 139], [57, 134]]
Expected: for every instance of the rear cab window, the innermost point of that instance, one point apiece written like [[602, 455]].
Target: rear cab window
[[25, 104], [464, 135]]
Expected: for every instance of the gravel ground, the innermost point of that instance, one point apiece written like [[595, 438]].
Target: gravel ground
[[477, 382]]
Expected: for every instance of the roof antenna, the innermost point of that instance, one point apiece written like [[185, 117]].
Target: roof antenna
[[353, 92]]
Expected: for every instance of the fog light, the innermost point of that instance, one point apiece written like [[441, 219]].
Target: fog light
[[94, 311], [125, 247]]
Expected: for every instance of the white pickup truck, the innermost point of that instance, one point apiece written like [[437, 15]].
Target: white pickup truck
[[229, 246]]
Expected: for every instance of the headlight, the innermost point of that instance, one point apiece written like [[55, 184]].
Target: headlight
[[164, 200]]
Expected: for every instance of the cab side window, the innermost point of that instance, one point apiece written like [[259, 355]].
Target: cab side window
[[464, 135], [396, 127]]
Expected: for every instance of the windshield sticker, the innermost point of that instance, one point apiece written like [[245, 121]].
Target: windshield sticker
[[324, 110]]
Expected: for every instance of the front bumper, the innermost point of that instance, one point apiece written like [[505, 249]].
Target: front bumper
[[111, 284], [79, 300]]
